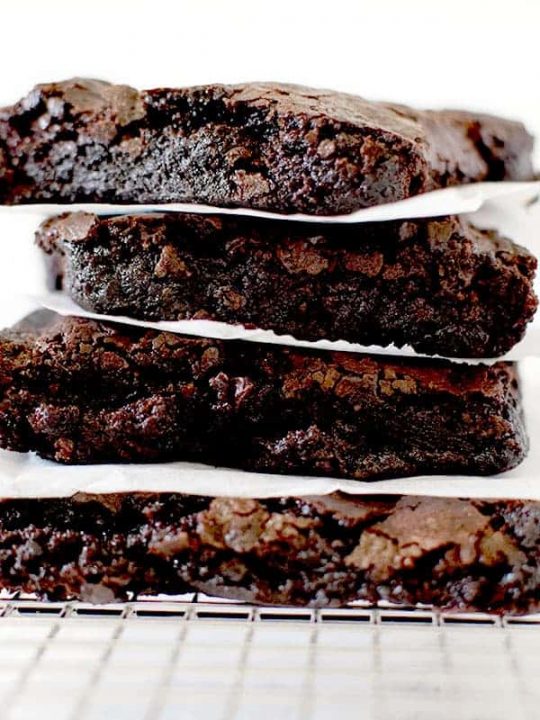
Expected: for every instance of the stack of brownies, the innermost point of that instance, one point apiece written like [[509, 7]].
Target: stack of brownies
[[75, 390]]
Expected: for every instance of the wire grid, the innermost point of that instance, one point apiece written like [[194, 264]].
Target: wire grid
[[202, 659]]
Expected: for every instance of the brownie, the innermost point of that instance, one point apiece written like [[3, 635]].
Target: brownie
[[276, 147], [463, 555], [440, 285], [79, 391]]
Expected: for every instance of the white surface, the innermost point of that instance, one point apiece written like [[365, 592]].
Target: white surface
[[25, 475]]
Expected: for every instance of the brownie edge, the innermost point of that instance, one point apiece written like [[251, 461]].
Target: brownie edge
[[454, 554]]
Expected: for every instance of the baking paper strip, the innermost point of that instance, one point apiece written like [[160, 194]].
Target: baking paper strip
[[449, 201], [27, 476]]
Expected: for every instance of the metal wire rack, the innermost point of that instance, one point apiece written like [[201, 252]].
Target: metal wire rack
[[197, 658]]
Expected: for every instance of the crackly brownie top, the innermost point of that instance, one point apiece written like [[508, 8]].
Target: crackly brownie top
[[149, 229], [397, 532], [396, 526], [452, 553], [124, 105]]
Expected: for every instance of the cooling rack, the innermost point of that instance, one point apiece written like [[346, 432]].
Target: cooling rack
[[196, 658]]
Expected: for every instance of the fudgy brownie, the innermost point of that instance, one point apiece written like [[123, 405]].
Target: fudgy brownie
[[275, 147], [79, 391], [440, 285], [321, 551]]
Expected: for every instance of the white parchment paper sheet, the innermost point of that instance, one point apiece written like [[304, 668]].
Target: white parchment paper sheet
[[27, 476]]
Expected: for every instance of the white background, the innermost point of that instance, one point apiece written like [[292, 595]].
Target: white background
[[481, 54]]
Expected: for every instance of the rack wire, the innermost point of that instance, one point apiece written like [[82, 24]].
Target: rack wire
[[197, 658]]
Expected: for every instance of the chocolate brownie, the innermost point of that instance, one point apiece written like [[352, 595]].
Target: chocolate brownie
[[275, 147], [79, 391], [440, 285], [454, 554]]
